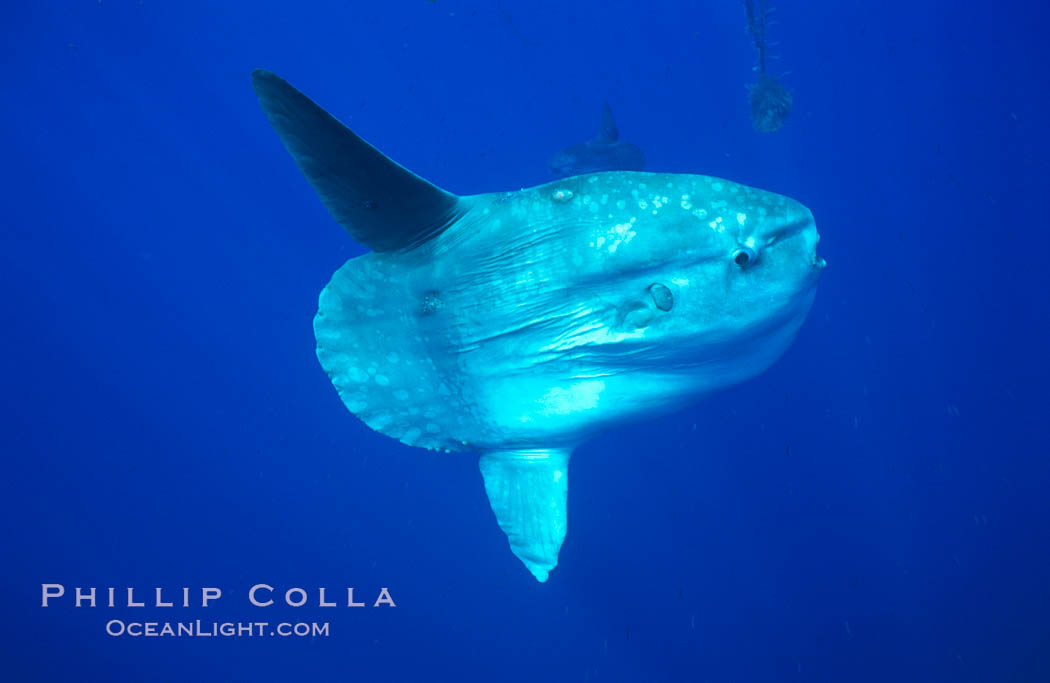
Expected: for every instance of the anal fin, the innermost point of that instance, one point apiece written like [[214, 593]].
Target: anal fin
[[528, 490]]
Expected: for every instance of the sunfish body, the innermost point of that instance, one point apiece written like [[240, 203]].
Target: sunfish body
[[517, 325], [606, 152]]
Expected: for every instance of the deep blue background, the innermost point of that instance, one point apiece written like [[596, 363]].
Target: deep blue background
[[873, 508]]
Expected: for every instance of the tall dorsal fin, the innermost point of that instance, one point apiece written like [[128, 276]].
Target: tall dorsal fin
[[380, 203], [608, 132]]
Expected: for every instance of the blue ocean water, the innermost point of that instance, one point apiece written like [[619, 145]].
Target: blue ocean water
[[873, 508]]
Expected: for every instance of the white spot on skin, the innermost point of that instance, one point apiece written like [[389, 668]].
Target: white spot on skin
[[577, 397], [382, 380], [380, 421], [621, 233], [741, 218], [357, 375]]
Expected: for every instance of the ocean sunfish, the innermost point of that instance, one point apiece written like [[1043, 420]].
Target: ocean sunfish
[[606, 152], [517, 325]]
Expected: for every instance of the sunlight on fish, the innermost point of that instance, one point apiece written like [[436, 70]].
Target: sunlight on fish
[[520, 324]]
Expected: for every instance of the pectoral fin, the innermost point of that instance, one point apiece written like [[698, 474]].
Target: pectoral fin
[[528, 490]]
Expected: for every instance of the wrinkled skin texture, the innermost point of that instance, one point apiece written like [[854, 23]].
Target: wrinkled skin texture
[[539, 318]]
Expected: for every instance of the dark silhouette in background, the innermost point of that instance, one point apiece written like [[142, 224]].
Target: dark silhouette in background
[[770, 101], [606, 152]]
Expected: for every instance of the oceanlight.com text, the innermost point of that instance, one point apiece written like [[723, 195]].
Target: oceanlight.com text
[[220, 629]]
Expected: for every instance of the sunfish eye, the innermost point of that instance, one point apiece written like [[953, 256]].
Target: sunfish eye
[[744, 256], [662, 296]]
